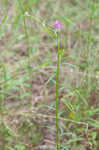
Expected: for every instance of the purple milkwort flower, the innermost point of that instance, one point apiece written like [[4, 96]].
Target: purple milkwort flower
[[57, 25]]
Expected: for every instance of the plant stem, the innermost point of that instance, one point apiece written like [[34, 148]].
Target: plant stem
[[27, 43], [88, 44], [26, 34], [57, 92]]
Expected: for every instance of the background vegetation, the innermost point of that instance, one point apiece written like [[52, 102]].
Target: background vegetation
[[28, 60]]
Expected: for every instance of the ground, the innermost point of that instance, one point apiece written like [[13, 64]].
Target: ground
[[28, 63]]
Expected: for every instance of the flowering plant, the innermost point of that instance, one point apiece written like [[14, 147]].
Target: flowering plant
[[57, 26]]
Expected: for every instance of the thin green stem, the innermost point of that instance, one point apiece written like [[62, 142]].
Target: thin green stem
[[89, 40], [3, 87], [27, 43], [26, 34], [57, 93]]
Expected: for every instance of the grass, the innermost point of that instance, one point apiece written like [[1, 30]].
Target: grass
[[29, 94]]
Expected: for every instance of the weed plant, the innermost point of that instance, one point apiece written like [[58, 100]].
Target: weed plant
[[44, 72]]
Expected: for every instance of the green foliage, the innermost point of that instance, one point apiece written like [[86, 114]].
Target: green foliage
[[28, 63]]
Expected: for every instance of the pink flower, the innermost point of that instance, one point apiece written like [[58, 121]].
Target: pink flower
[[57, 25]]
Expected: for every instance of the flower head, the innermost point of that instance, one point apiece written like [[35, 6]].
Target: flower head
[[57, 25], [71, 115]]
